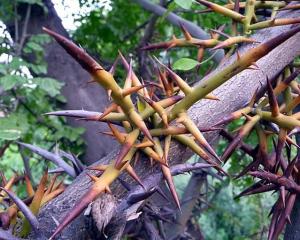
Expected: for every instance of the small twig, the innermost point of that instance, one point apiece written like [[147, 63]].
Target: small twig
[[187, 167], [139, 27], [142, 55], [4, 147], [25, 162], [24, 32], [16, 22], [245, 147], [176, 20]]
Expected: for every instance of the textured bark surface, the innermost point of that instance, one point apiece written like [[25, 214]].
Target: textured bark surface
[[233, 94], [78, 93]]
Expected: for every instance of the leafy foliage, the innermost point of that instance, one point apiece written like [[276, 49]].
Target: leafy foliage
[[25, 94]]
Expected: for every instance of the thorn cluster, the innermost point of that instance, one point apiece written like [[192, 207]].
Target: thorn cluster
[[277, 122], [20, 214], [148, 122]]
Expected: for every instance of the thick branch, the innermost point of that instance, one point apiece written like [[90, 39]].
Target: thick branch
[[234, 94], [176, 20]]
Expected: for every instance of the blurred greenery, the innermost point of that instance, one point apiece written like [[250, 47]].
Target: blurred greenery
[[25, 95]]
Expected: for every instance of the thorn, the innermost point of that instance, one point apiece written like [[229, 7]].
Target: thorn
[[193, 129], [128, 80], [167, 147], [85, 60], [161, 193], [23, 208], [136, 158], [159, 109], [93, 178], [144, 144], [121, 137], [134, 198], [184, 87], [200, 54], [113, 67], [109, 94], [126, 147], [187, 35], [124, 184], [238, 55], [107, 190], [234, 40], [253, 98], [288, 219], [138, 121], [134, 175], [79, 206], [168, 177], [282, 195], [98, 168], [132, 90], [272, 99], [91, 81], [252, 68], [29, 188], [113, 107], [255, 64]]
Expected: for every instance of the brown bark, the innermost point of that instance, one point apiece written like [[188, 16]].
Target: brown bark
[[62, 67]]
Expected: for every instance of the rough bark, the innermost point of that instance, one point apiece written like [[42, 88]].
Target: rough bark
[[233, 94], [62, 67]]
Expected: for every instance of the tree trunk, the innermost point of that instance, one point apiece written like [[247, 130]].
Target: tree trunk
[[233, 94], [62, 67]]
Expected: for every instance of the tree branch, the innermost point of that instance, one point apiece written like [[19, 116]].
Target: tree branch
[[233, 95], [176, 20], [188, 202]]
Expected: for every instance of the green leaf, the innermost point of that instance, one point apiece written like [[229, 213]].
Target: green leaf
[[10, 81], [38, 69], [41, 38], [10, 134], [32, 46], [15, 121], [16, 63], [170, 8], [2, 69], [61, 98], [185, 64], [30, 1], [186, 4], [50, 85]]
